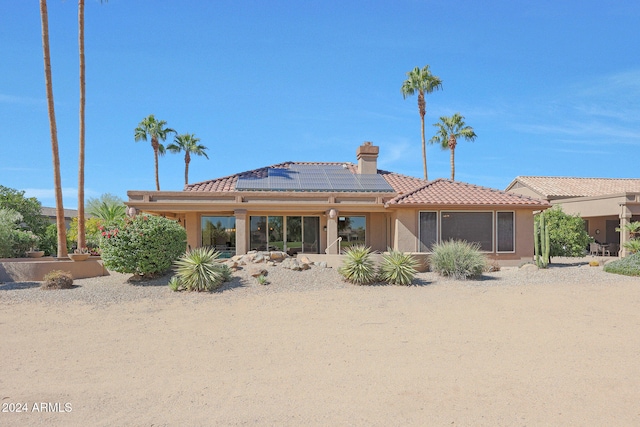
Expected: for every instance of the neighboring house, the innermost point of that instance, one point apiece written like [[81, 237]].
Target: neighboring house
[[604, 203], [319, 208], [50, 213]]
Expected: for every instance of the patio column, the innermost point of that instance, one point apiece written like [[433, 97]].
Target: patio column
[[192, 225], [242, 240], [332, 231], [625, 218]]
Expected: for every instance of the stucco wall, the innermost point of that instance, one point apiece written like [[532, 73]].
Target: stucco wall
[[377, 231]]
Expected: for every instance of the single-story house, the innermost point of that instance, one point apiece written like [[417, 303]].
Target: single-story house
[[50, 214], [604, 203], [321, 208]]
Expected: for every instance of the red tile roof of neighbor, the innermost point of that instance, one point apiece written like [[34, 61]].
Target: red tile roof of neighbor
[[400, 183], [554, 186], [447, 192]]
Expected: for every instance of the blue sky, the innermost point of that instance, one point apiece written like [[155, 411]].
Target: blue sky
[[550, 87]]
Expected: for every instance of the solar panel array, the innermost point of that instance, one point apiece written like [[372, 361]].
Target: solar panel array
[[314, 178]]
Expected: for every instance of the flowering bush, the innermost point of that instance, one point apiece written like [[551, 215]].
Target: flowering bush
[[144, 245]]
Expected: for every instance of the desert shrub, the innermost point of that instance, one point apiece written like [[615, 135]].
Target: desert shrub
[[28, 207], [57, 279], [144, 245], [14, 241], [457, 259], [262, 279], [567, 234], [397, 268], [357, 266], [199, 270], [492, 265], [628, 266]]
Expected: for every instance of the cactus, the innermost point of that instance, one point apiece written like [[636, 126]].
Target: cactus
[[541, 242]]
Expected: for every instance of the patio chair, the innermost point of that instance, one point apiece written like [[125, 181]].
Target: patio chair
[[614, 248], [594, 249]]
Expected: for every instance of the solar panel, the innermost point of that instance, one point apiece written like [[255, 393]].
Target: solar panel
[[314, 178]]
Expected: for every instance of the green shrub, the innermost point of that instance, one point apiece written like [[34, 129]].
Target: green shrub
[[14, 241], [144, 245], [357, 267], [57, 279], [397, 268], [628, 266], [262, 280], [457, 259], [199, 270]]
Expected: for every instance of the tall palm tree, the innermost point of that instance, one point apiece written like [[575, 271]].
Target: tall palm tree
[[156, 130], [60, 224], [449, 130], [421, 81], [189, 144], [82, 239]]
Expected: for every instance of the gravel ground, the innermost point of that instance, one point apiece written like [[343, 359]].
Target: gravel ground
[[118, 288]]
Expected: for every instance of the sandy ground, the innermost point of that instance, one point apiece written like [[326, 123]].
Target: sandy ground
[[449, 353]]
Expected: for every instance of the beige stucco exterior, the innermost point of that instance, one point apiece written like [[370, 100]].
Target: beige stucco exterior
[[391, 219], [603, 213]]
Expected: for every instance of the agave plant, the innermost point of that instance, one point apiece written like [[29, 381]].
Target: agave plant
[[397, 268], [357, 266], [199, 270]]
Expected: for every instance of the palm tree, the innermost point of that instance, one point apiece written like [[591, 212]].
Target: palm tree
[[60, 224], [81, 218], [189, 144], [449, 130], [421, 81], [156, 130]]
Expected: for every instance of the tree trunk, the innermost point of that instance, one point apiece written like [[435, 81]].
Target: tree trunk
[[60, 224], [422, 110], [154, 144], [187, 160], [81, 218], [452, 148]]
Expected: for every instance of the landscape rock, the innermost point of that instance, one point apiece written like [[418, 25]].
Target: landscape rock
[[257, 271]]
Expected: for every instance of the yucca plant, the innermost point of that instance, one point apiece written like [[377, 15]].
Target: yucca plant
[[357, 267], [397, 268], [458, 259], [199, 270], [174, 284]]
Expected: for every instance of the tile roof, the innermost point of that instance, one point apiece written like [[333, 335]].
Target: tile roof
[[447, 192], [400, 183], [557, 187]]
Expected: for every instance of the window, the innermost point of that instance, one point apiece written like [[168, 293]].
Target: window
[[220, 233], [352, 230], [428, 231], [473, 227], [506, 231]]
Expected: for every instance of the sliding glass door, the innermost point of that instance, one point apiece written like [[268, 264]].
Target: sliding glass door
[[292, 234]]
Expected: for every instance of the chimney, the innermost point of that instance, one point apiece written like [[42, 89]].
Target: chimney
[[367, 155]]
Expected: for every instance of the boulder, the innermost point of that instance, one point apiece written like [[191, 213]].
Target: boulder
[[257, 271], [277, 255]]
